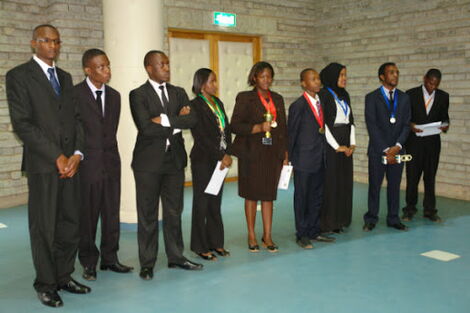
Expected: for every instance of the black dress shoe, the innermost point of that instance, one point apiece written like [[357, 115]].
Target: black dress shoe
[[398, 226], [407, 216], [253, 248], [321, 238], [208, 257], [433, 217], [116, 267], [89, 273], [50, 298], [368, 227], [221, 251], [74, 286], [304, 243], [146, 273], [186, 265]]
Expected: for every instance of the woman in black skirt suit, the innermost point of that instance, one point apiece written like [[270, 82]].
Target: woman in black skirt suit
[[259, 160], [340, 136], [212, 141]]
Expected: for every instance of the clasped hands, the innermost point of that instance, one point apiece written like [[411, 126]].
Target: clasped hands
[[67, 167], [391, 153], [348, 151]]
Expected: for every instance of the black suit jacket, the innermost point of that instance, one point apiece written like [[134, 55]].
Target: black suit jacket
[[439, 110], [101, 149], [206, 133], [382, 133], [306, 144], [149, 150], [48, 125]]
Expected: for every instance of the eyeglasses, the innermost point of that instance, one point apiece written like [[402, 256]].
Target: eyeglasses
[[48, 41]]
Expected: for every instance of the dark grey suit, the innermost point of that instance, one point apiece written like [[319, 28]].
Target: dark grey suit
[[49, 126], [159, 171]]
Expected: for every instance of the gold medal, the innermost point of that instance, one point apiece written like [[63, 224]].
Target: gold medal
[[321, 130]]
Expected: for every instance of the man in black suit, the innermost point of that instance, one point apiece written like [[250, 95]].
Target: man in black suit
[[160, 110], [387, 114], [306, 131], [100, 172], [45, 118], [428, 104]]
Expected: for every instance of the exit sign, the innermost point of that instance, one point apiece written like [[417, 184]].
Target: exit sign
[[225, 19]]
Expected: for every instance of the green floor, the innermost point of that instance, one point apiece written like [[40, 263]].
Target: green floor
[[375, 272]]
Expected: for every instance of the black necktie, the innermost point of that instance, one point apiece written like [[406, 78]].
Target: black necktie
[[164, 98], [99, 102], [391, 97], [53, 80]]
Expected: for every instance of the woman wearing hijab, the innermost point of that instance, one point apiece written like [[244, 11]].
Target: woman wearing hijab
[[340, 136], [259, 122]]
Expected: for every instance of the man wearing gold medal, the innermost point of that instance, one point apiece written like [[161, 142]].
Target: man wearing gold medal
[[387, 114], [306, 128]]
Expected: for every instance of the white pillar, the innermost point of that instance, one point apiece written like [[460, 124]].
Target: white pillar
[[131, 28]]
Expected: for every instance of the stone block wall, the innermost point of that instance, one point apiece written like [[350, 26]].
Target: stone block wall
[[295, 34]]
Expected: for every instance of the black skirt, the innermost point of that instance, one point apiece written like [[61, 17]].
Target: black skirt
[[337, 200]]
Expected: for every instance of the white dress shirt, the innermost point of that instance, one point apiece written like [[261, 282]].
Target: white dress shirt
[[94, 89], [428, 97], [341, 118]]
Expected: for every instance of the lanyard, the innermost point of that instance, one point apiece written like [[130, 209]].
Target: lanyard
[[217, 111], [319, 115], [395, 102], [269, 106], [342, 103]]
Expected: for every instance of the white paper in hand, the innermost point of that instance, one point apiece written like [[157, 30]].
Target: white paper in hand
[[217, 179], [285, 177]]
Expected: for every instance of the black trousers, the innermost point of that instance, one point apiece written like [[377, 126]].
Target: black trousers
[[377, 171], [207, 228], [425, 152], [100, 199], [168, 183], [53, 212], [308, 198]]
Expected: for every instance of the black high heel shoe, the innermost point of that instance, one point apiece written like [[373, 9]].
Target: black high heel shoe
[[271, 248], [253, 248], [209, 257], [221, 252]]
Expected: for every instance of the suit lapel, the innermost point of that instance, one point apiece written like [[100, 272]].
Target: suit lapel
[[420, 102], [155, 99], [41, 78], [172, 99]]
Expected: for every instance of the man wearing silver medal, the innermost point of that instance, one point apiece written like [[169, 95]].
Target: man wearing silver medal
[[387, 114]]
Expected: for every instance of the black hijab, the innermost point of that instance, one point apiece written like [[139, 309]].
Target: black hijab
[[329, 78]]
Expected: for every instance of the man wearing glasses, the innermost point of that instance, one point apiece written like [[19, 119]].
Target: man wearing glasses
[[45, 119]]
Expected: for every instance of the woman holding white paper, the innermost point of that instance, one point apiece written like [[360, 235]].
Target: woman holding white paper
[[212, 142]]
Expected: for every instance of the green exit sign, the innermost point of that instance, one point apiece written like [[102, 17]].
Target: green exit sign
[[225, 19]]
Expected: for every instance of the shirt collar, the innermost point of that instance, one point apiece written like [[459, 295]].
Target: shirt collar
[[387, 91], [316, 99], [156, 85], [425, 92], [44, 66], [93, 87]]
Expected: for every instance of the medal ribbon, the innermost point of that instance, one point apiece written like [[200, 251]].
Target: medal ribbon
[[217, 111], [342, 103], [395, 102], [318, 116], [269, 106], [426, 103]]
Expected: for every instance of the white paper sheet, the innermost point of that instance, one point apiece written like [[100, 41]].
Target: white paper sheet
[[429, 129], [217, 179], [285, 177]]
